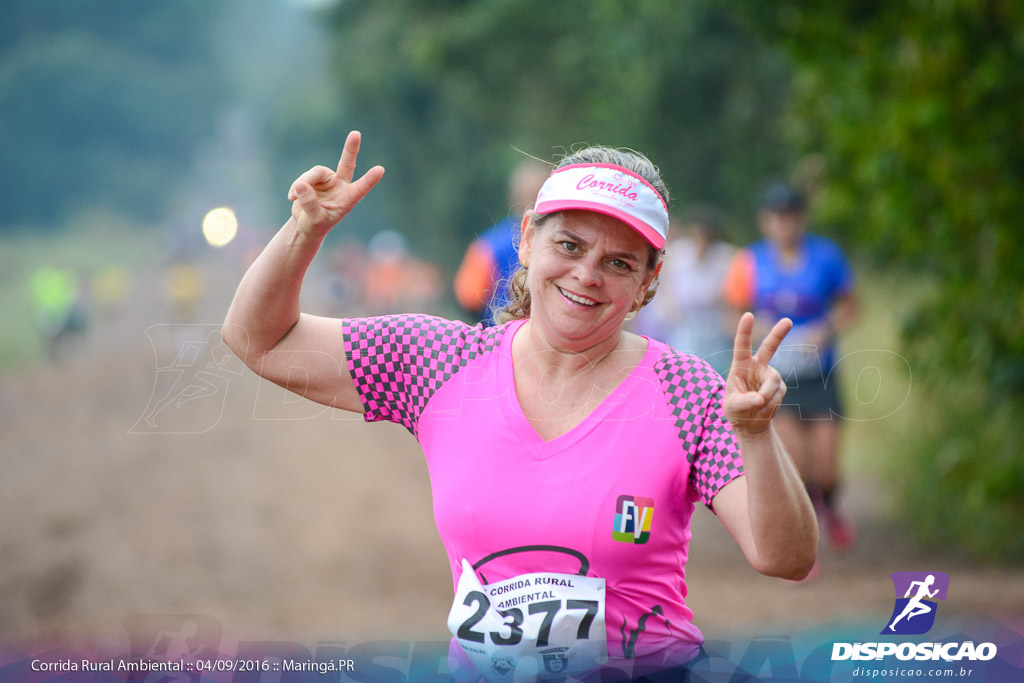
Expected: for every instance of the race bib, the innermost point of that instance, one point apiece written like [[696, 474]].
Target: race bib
[[530, 626]]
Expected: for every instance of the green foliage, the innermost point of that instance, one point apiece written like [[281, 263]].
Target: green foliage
[[960, 477], [102, 104], [446, 91], [916, 109]]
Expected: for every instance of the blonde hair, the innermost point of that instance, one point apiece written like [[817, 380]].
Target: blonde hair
[[518, 291]]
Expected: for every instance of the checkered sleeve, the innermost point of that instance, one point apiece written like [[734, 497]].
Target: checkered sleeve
[[398, 362], [694, 392]]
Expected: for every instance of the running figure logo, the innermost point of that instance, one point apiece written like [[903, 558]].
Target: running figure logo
[[194, 368], [914, 613], [171, 638]]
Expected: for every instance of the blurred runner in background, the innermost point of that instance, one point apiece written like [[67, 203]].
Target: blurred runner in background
[[799, 275], [397, 281], [110, 288], [183, 285], [690, 312], [480, 283], [59, 310], [384, 272]]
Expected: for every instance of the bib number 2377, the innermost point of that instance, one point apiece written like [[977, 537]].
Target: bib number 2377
[[530, 625]]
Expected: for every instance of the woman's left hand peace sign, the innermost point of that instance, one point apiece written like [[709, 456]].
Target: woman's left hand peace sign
[[754, 389], [322, 196]]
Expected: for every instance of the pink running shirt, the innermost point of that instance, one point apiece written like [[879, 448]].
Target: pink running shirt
[[511, 503]]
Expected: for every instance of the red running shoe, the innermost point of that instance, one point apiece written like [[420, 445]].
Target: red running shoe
[[841, 532]]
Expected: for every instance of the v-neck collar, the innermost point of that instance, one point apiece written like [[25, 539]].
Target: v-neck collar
[[517, 422]]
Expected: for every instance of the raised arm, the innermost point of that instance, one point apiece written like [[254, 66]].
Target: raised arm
[[767, 511], [265, 326]]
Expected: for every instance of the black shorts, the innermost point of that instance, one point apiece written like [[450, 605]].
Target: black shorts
[[813, 396]]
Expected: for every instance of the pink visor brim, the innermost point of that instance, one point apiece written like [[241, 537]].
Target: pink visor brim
[[646, 231]]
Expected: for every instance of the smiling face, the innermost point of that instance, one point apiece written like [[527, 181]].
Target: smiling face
[[586, 272]]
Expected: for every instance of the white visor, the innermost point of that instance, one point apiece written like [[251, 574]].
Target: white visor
[[611, 190]]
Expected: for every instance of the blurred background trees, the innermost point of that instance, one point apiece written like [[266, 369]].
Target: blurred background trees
[[901, 118], [915, 109], [451, 92], [102, 104]]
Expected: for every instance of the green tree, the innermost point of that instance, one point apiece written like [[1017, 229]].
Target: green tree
[[447, 92], [916, 108], [102, 104]]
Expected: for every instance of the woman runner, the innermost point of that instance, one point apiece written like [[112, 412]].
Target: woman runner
[[565, 454]]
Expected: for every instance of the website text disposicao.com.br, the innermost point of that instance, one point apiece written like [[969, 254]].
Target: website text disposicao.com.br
[[952, 654], [901, 673]]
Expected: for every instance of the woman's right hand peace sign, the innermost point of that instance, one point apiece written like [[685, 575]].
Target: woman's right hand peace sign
[[321, 197], [754, 389]]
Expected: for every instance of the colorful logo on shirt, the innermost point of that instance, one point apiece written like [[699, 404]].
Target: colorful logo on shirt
[[633, 516]]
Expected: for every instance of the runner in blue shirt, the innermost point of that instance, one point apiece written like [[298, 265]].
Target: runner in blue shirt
[[480, 283], [795, 274]]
